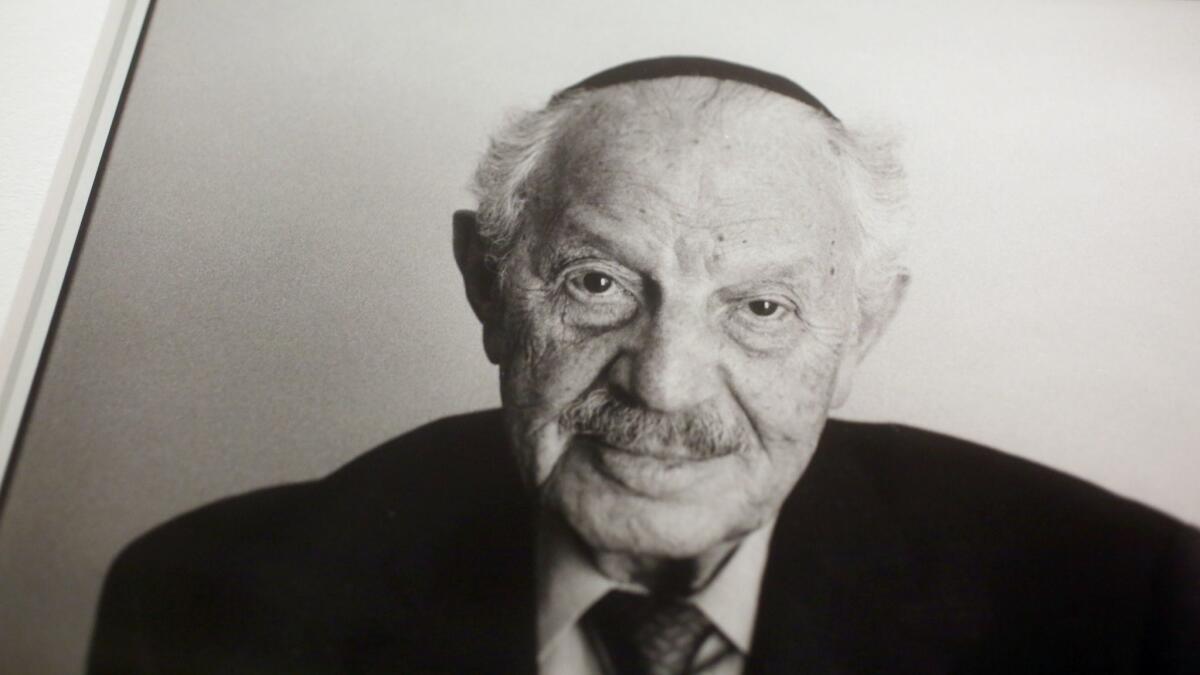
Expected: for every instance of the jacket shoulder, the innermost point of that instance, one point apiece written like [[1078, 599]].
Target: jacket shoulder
[[924, 471], [429, 466], [1041, 562], [1020, 565], [297, 564]]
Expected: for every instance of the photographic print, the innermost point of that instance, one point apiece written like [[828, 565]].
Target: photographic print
[[617, 338]]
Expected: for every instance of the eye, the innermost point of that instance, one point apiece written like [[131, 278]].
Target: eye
[[765, 321], [764, 313], [596, 283], [595, 286], [763, 308], [597, 299]]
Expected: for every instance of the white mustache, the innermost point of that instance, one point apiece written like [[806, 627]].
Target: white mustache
[[700, 433]]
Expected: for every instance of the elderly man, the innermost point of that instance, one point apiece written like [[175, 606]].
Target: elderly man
[[677, 264]]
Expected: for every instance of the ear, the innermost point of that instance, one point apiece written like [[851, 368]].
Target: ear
[[481, 282], [873, 319]]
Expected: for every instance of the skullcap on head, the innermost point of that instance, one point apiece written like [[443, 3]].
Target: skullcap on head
[[695, 66]]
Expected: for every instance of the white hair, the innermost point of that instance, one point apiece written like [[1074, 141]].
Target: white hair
[[513, 176]]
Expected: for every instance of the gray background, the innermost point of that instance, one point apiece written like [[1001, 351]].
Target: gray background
[[266, 286]]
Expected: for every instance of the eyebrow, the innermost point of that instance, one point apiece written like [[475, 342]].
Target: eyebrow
[[568, 252], [792, 270], [581, 238]]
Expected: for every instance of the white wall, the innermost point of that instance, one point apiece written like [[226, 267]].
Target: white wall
[[46, 47]]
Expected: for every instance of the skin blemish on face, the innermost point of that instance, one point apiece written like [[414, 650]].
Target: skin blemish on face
[[832, 270]]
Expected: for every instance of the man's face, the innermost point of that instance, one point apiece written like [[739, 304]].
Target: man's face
[[672, 332]]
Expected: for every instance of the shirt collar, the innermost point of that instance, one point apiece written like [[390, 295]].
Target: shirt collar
[[568, 585]]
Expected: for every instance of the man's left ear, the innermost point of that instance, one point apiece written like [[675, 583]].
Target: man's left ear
[[874, 317]]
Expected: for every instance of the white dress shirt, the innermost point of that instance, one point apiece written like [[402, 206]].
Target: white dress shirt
[[568, 584]]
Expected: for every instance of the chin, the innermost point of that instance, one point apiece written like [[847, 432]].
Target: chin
[[647, 534]]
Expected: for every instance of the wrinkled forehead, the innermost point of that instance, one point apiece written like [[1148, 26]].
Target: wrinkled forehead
[[703, 151]]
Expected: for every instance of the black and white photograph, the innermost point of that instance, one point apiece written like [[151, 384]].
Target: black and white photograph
[[618, 338]]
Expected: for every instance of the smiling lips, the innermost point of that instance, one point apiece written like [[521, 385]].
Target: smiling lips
[[654, 473]]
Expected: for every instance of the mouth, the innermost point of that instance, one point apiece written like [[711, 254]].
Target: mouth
[[649, 472], [669, 455]]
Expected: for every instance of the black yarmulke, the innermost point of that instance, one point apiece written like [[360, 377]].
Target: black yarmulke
[[683, 66]]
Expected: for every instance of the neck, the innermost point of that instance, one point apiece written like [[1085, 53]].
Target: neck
[[666, 576]]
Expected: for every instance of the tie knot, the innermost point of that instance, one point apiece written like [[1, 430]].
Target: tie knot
[[647, 634]]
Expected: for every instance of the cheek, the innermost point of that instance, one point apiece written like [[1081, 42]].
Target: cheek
[[550, 365], [783, 394], [545, 369], [787, 404], [787, 401]]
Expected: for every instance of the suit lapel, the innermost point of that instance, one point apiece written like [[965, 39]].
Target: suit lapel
[[839, 582], [457, 596], [486, 596], [483, 583]]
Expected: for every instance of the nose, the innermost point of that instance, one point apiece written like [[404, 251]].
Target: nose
[[672, 364]]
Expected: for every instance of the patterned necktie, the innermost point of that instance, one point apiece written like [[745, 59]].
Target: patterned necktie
[[646, 634]]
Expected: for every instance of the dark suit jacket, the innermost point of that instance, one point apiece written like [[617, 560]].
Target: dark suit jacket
[[900, 551]]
